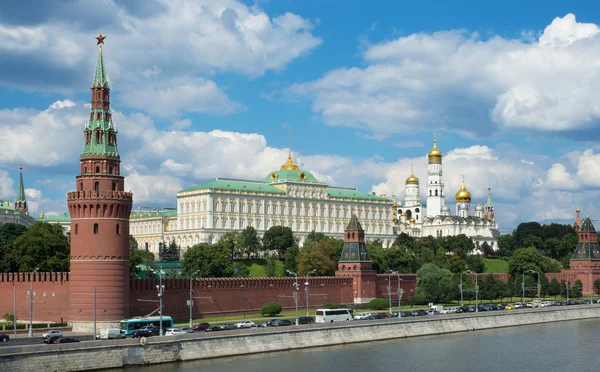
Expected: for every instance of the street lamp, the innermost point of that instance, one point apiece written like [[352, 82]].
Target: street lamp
[[191, 299], [399, 293], [460, 286], [538, 284], [160, 288], [589, 273], [296, 290], [476, 288], [306, 288], [389, 288]]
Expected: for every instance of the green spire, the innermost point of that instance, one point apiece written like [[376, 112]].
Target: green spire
[[354, 224], [100, 75], [21, 190], [489, 201]]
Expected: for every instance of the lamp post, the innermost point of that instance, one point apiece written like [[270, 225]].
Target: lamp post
[[191, 299], [538, 285], [476, 288], [589, 273], [160, 288], [567, 285], [523, 289], [306, 288], [399, 293], [460, 286], [296, 290], [389, 288]]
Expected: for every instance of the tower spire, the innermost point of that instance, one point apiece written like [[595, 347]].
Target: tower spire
[[21, 200]]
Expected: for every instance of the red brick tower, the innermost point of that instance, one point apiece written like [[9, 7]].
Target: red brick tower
[[99, 212], [355, 262]]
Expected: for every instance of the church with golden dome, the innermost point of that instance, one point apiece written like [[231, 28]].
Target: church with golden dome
[[435, 218]]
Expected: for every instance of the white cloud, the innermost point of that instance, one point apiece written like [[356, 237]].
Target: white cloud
[[152, 188], [458, 81], [558, 178], [528, 162], [409, 144], [33, 194], [589, 168], [7, 191]]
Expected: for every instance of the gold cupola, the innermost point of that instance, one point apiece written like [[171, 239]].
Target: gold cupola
[[463, 195], [412, 180], [434, 155], [289, 165]]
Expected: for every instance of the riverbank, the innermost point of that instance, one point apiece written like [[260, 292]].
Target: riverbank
[[119, 353]]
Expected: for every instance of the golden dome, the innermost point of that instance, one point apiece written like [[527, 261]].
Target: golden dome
[[289, 165], [577, 210], [412, 220], [435, 153], [403, 214], [412, 180], [463, 195]]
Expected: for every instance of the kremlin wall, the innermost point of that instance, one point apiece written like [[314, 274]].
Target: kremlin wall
[[100, 208]]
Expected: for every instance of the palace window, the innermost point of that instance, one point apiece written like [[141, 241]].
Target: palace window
[[96, 228], [76, 229], [118, 229], [96, 186]]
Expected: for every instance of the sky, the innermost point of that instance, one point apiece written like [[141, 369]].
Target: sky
[[207, 88]]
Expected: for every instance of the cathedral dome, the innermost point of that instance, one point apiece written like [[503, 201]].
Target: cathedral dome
[[412, 220], [463, 195], [479, 208], [412, 180], [434, 155], [462, 206], [446, 209]]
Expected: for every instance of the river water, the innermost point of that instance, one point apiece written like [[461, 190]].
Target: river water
[[565, 347]]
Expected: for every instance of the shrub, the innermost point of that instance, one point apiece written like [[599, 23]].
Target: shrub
[[9, 317], [271, 309], [378, 304], [330, 306], [419, 299]]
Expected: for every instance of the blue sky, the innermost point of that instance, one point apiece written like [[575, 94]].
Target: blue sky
[[200, 87]]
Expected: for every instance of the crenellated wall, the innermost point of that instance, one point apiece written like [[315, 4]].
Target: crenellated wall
[[50, 300]]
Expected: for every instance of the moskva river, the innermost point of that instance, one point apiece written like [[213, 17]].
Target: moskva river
[[565, 347]]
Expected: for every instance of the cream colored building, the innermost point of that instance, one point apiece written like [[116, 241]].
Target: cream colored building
[[289, 197]]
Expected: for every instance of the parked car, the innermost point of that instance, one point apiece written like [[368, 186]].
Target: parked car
[[379, 316], [405, 314], [65, 340], [305, 320], [175, 332], [281, 323], [262, 325], [433, 312], [111, 333], [462, 309], [4, 337], [142, 333], [227, 326], [245, 324], [201, 326], [152, 329], [53, 332], [187, 330], [419, 312], [501, 306], [213, 329], [51, 339], [362, 316]]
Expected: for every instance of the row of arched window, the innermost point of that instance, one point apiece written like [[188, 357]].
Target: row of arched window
[[96, 229]]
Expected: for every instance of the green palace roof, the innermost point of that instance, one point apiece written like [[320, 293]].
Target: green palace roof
[[153, 214], [290, 175], [236, 185], [61, 218]]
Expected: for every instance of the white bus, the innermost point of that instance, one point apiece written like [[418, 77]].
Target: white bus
[[333, 315]]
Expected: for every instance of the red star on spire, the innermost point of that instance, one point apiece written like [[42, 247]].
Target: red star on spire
[[100, 39]]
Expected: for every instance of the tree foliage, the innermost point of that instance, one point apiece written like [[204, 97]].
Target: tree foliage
[[597, 286], [577, 289], [168, 253], [248, 242], [320, 257], [378, 304], [291, 258], [240, 270], [211, 261], [137, 257], [8, 233], [554, 288], [271, 309], [435, 283], [42, 247], [278, 239]]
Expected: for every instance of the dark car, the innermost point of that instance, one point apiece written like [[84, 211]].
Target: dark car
[[65, 340], [51, 339], [379, 316], [201, 326], [153, 329], [419, 312], [142, 332], [227, 326], [4, 337], [462, 309], [500, 306], [213, 329], [305, 320], [281, 323], [405, 314]]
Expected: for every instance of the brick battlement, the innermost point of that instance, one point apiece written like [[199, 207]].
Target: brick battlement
[[103, 194], [34, 277], [220, 284]]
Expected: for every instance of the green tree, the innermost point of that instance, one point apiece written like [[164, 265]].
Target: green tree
[[552, 248], [434, 283], [169, 253], [8, 233], [378, 304], [405, 240], [315, 236], [503, 290], [378, 256], [577, 289], [43, 247], [456, 265], [291, 258], [533, 241], [399, 259], [597, 286], [278, 239], [230, 241], [524, 259], [505, 245], [270, 267], [525, 229], [240, 270], [489, 288], [460, 245], [271, 309], [137, 257], [550, 265], [554, 288], [475, 263], [248, 242], [211, 261], [319, 257]]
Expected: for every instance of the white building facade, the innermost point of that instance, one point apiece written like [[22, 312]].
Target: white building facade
[[289, 197]]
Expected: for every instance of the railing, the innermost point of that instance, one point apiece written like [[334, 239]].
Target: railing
[[104, 194]]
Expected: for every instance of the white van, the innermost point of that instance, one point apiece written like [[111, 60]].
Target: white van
[[111, 333], [333, 315]]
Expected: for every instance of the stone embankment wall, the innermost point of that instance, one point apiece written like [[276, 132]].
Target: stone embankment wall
[[107, 354]]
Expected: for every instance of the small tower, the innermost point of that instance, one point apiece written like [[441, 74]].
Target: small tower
[[587, 255], [21, 201], [489, 207], [355, 262], [435, 185], [99, 209], [577, 223]]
